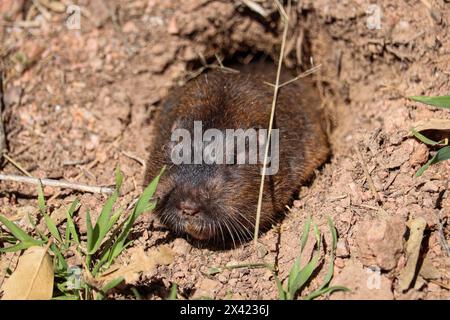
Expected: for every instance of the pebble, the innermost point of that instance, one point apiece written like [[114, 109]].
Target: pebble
[[430, 186], [342, 249]]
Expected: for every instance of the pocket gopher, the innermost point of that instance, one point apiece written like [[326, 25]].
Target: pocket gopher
[[217, 202]]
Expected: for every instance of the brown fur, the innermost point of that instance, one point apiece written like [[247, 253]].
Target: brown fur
[[227, 195]]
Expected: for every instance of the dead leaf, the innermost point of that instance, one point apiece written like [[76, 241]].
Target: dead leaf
[[416, 227], [33, 277], [435, 129], [432, 124], [139, 262]]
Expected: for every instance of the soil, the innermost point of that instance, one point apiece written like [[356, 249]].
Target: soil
[[81, 102]]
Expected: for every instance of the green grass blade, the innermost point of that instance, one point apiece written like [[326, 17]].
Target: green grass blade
[[20, 246], [115, 217], [51, 226], [150, 207], [173, 292], [441, 155], [41, 199], [305, 233], [333, 234], [304, 275], [140, 208], [71, 231], [67, 236], [295, 269], [89, 231], [62, 263], [32, 220], [109, 286], [320, 292], [318, 237], [442, 101], [112, 284], [8, 239], [136, 293], [101, 226], [281, 292], [101, 262], [144, 199], [330, 271], [119, 178], [424, 139], [119, 245], [18, 232]]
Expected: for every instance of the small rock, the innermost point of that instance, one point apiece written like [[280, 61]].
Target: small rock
[[402, 32], [130, 27], [113, 127], [380, 242], [419, 155], [222, 278], [172, 28], [430, 186], [297, 204], [342, 249], [13, 95], [99, 9], [206, 288], [181, 247], [268, 275], [188, 54], [429, 214], [428, 203], [97, 64], [363, 283], [399, 156], [339, 263], [93, 142], [436, 15], [262, 251], [339, 209], [433, 287]]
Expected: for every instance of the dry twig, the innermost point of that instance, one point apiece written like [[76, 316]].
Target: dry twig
[[56, 183], [2, 108], [301, 75], [272, 114], [256, 7], [134, 157], [17, 165]]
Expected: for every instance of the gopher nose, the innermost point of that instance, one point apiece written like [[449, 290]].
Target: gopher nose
[[188, 207]]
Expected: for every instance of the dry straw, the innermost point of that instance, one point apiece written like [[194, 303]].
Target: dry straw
[[285, 18]]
